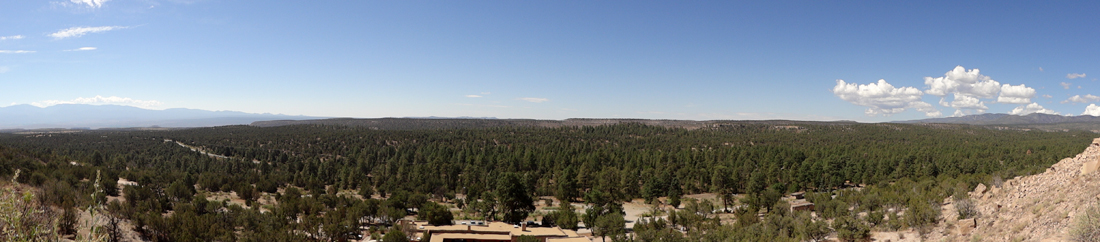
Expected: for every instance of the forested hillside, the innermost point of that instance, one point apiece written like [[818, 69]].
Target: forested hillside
[[612, 163]]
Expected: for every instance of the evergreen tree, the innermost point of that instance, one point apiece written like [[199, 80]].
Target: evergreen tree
[[567, 185], [515, 202]]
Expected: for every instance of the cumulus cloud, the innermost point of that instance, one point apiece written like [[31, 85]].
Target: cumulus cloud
[[472, 95], [82, 49], [961, 81], [100, 100], [1047, 96], [958, 113], [882, 98], [1016, 94], [1030, 109], [1092, 109], [16, 51], [90, 3], [13, 37], [81, 31], [534, 99], [1088, 98], [1065, 84], [969, 93], [964, 102], [1075, 75]]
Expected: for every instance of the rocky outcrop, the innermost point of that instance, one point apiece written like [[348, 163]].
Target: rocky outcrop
[[1090, 166], [1039, 207]]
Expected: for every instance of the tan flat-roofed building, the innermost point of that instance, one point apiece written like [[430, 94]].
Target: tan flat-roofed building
[[476, 231], [573, 239], [448, 237]]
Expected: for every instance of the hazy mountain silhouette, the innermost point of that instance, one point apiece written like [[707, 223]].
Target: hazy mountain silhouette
[[114, 116], [1008, 119]]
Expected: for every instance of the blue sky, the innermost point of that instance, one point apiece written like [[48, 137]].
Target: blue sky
[[556, 59]]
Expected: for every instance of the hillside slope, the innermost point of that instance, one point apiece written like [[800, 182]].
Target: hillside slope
[[1039, 207]]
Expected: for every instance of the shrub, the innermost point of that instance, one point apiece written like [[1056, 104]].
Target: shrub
[[851, 229], [565, 217], [67, 224], [395, 235], [894, 222], [876, 218], [921, 214], [966, 208], [435, 214], [22, 217], [1087, 226]]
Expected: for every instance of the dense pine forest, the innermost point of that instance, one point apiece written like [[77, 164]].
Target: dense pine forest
[[329, 180]]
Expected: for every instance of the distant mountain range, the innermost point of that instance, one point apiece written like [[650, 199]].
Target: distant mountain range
[[475, 123], [992, 120], [83, 116], [1037, 121], [1008, 119], [114, 116]]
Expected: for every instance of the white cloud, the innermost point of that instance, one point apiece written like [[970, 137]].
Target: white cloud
[[81, 31], [1047, 96], [534, 99], [964, 102], [472, 95], [1088, 98], [1040, 69], [90, 3], [958, 113], [100, 100], [1016, 94], [883, 98], [961, 81], [1092, 109], [82, 49], [1065, 84], [926, 108], [13, 37], [1030, 109], [16, 51], [1075, 75]]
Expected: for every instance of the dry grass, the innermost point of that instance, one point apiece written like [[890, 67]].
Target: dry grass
[[1087, 226], [1019, 227]]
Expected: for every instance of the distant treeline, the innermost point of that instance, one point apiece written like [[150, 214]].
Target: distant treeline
[[619, 162]]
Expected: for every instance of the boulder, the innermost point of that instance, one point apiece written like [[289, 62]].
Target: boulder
[[1090, 166], [980, 189]]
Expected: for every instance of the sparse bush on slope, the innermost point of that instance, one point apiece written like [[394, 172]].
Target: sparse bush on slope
[[966, 208], [1087, 226], [22, 218]]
